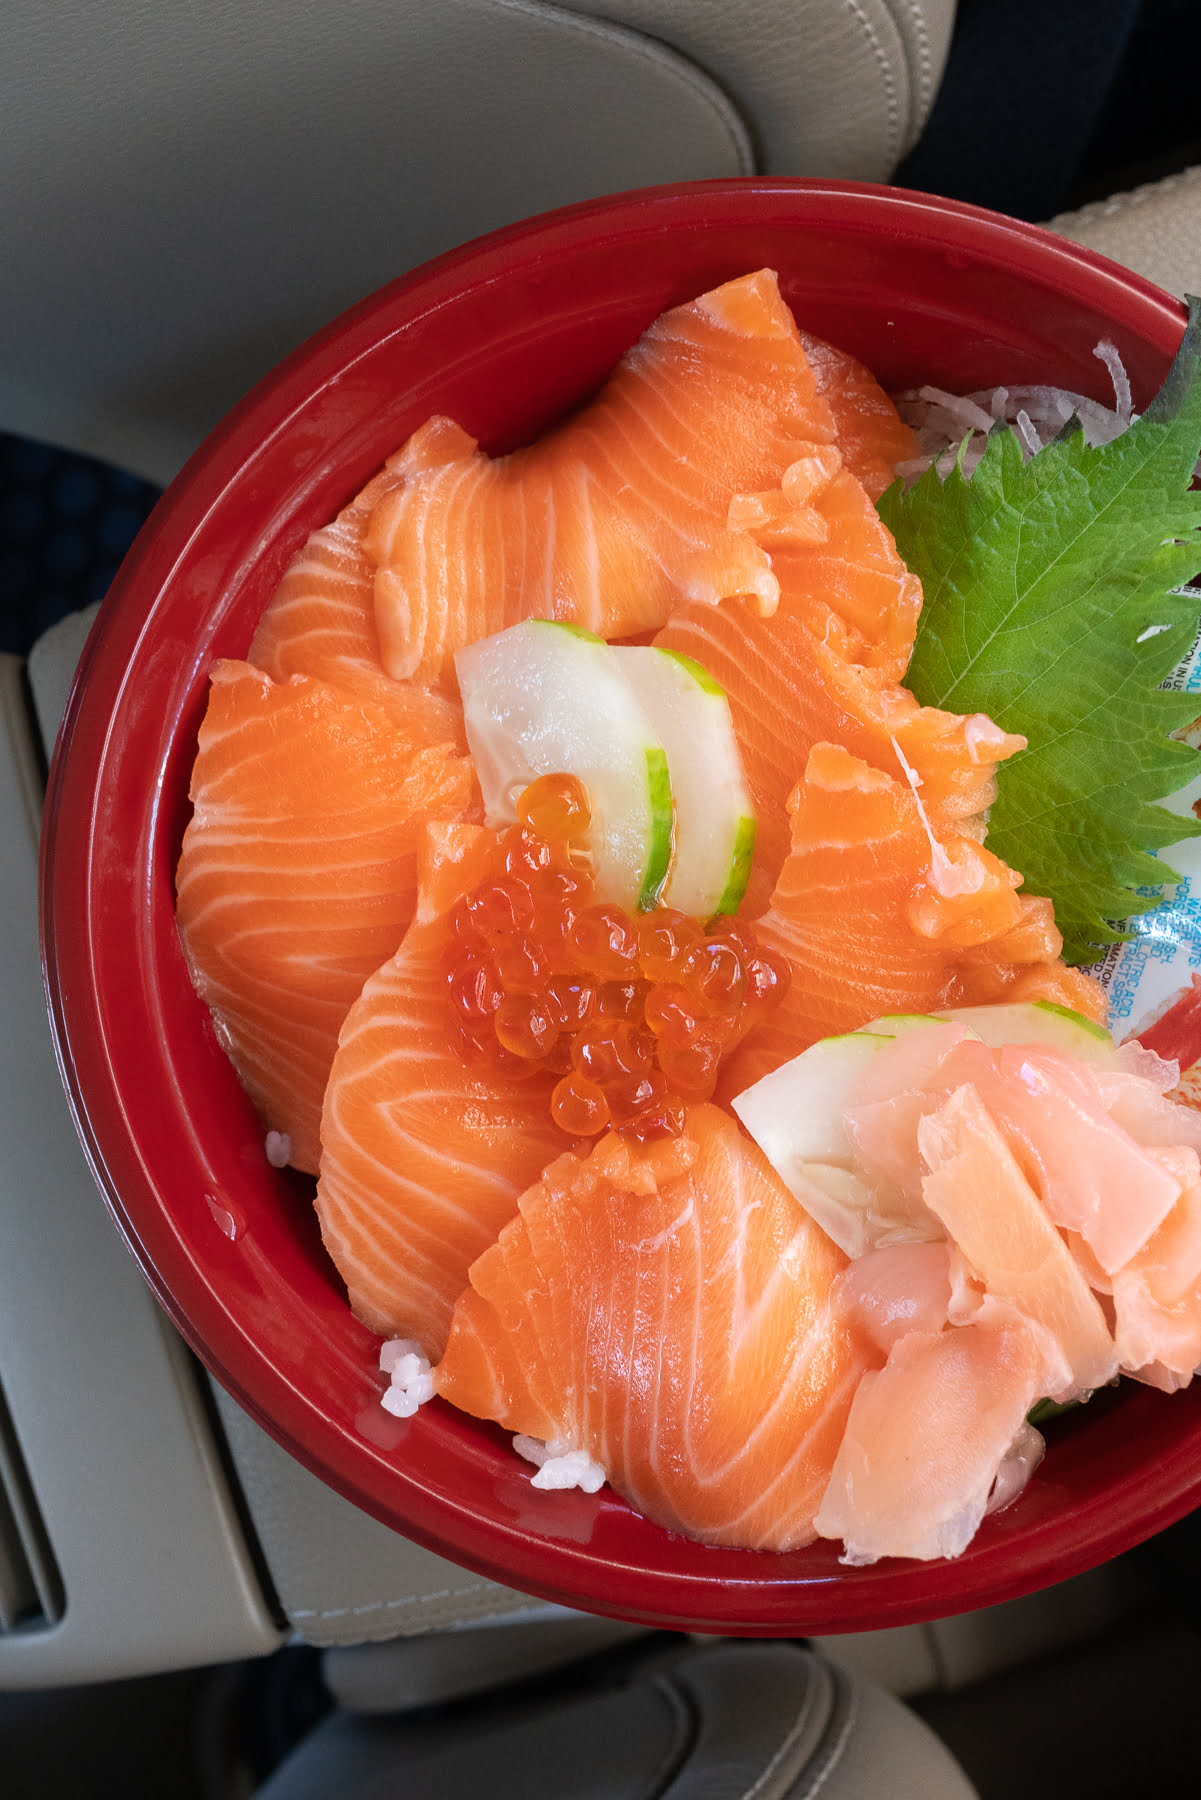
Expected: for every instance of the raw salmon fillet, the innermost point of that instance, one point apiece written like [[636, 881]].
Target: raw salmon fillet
[[298, 872], [878, 915], [614, 518], [826, 667], [871, 434], [321, 619], [679, 1330], [424, 1155]]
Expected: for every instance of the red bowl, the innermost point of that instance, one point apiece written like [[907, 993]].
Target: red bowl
[[504, 335]]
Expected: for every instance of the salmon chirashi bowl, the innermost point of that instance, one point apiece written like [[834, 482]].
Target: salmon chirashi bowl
[[543, 911]]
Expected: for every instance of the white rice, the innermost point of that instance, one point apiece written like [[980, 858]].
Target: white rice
[[559, 1466], [277, 1146], [410, 1382]]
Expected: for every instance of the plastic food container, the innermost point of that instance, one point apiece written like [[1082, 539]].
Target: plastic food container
[[505, 335]]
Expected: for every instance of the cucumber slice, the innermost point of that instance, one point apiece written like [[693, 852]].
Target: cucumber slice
[[715, 822], [838, 1201], [544, 698], [893, 1024], [796, 1117], [795, 1114], [1012, 1022], [1036, 1022]]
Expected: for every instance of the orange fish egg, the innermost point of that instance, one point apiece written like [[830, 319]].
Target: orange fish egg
[[556, 808], [633, 1012]]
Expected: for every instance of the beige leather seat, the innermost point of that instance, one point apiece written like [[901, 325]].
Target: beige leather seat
[[1154, 229], [189, 190]]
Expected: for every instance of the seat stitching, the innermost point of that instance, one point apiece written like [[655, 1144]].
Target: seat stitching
[[889, 79], [342, 1612], [917, 13], [1118, 203], [834, 1755]]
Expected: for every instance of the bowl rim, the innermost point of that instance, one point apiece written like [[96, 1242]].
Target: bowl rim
[[70, 914]]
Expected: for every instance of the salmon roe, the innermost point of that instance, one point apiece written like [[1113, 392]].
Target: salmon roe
[[633, 1012]]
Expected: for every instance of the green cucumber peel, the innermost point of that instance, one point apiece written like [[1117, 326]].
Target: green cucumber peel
[[580, 631], [658, 862], [1089, 1026], [740, 866], [698, 671]]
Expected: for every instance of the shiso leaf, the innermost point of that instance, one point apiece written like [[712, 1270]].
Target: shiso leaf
[[1052, 604]]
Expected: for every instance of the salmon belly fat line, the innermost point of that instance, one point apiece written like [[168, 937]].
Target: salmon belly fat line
[[562, 798]]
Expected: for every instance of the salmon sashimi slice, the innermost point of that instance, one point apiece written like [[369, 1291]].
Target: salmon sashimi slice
[[792, 684], [927, 1436], [999, 1224], [424, 1155], [1026, 964], [871, 434], [298, 873], [615, 517], [679, 1331], [873, 911], [849, 567], [826, 666], [321, 619]]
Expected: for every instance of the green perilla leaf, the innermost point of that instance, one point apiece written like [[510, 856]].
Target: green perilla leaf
[[1051, 604]]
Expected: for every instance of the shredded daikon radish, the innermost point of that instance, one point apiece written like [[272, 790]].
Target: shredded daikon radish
[[955, 427]]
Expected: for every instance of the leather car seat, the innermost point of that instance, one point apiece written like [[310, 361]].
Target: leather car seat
[[719, 1722], [191, 190]]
